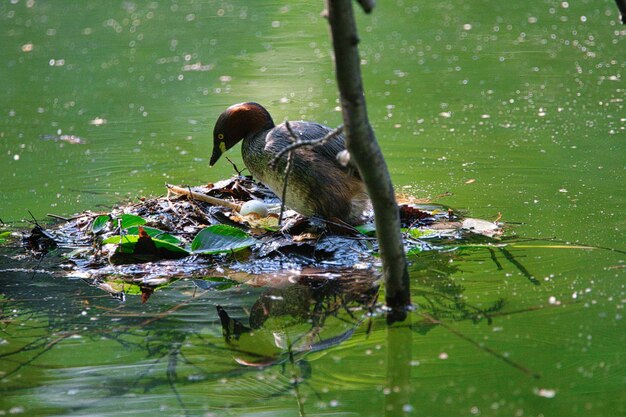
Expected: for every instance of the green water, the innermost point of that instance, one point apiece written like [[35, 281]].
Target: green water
[[513, 108]]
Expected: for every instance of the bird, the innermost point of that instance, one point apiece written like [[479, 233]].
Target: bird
[[318, 185]]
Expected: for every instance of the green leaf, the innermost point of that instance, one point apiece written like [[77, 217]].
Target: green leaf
[[221, 238], [130, 220], [117, 239], [128, 243], [133, 288], [416, 250], [154, 234], [128, 288], [100, 222], [4, 236], [368, 229], [420, 233]]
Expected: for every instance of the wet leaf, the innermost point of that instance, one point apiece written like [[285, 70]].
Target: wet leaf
[[368, 229], [124, 287], [154, 233], [128, 244], [221, 238], [4, 236], [414, 250], [100, 222], [420, 233], [130, 220], [128, 288]]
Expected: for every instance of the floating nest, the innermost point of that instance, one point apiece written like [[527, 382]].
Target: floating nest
[[201, 233]]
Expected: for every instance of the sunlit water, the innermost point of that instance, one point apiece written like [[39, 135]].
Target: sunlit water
[[515, 109]]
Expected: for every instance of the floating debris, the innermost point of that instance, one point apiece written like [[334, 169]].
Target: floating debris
[[71, 139], [545, 392], [98, 121]]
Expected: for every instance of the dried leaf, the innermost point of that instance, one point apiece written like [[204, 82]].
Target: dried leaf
[[306, 236], [482, 227]]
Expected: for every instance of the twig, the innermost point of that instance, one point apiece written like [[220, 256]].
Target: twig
[[170, 205], [234, 166], [56, 216], [203, 197], [34, 219], [283, 196], [300, 143], [569, 244]]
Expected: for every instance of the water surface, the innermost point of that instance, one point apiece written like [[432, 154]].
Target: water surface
[[514, 109]]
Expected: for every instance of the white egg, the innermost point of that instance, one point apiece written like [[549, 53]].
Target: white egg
[[253, 206]]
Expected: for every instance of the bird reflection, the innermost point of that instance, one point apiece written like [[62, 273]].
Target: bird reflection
[[320, 310]]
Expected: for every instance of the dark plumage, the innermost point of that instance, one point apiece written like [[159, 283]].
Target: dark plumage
[[318, 184]]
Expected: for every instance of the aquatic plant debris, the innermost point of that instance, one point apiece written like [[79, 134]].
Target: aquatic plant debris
[[157, 240]]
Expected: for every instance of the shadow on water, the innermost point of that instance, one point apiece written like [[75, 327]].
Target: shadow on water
[[193, 346]]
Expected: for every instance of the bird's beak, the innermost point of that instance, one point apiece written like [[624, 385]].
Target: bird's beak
[[217, 152]]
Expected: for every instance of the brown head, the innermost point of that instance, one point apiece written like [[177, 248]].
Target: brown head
[[237, 122]]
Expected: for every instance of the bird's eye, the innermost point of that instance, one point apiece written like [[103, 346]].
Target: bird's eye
[[220, 136]]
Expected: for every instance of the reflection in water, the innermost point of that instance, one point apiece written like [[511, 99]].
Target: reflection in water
[[294, 340], [398, 385], [314, 313], [164, 351], [443, 296]]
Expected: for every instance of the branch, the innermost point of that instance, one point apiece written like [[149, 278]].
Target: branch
[[283, 196], [367, 5], [234, 166], [300, 143], [203, 197], [368, 158]]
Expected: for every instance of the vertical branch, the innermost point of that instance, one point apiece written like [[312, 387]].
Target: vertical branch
[[367, 156], [621, 5], [283, 197]]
